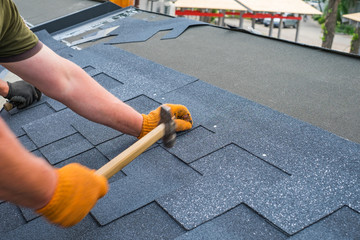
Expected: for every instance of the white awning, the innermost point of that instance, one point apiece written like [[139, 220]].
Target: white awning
[[353, 16], [210, 4], [279, 6]]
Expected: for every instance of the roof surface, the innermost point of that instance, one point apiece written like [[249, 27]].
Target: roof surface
[[245, 171]]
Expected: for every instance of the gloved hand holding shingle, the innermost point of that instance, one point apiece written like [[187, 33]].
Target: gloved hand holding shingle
[[183, 120], [77, 192], [22, 94]]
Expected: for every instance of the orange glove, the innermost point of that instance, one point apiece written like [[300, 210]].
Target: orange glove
[[183, 120], [77, 192]]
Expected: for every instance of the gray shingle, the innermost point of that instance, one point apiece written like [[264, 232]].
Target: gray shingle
[[88, 68], [106, 81], [97, 133], [179, 25], [205, 102], [151, 175], [10, 217], [51, 128], [342, 224], [196, 143], [56, 105], [26, 116], [143, 104], [114, 147], [223, 186], [240, 222], [49, 41], [65, 148], [134, 70], [135, 30], [92, 159], [300, 200], [41, 229], [94, 132], [149, 222], [28, 214], [132, 30], [27, 143]]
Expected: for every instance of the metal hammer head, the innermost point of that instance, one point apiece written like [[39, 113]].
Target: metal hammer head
[[170, 133]]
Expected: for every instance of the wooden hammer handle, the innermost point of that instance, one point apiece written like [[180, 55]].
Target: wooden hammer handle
[[124, 158], [8, 106]]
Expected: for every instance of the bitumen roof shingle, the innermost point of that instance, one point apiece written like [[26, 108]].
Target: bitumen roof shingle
[[244, 171]]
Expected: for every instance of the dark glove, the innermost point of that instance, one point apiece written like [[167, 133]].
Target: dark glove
[[22, 94]]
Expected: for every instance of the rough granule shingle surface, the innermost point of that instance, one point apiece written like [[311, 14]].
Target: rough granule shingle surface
[[136, 30], [244, 171]]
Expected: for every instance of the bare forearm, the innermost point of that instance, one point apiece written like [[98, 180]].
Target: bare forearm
[[25, 179], [63, 80], [89, 99]]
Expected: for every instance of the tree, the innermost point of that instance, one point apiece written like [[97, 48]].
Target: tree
[[333, 13], [355, 42], [330, 23]]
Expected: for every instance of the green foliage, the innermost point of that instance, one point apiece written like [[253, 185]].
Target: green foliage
[[325, 32], [324, 28], [344, 28], [354, 38], [344, 7], [321, 20], [316, 17]]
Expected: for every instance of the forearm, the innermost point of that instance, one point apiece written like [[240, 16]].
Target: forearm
[[89, 99], [64, 81], [25, 179]]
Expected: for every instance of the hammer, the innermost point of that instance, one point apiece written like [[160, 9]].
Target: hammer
[[10, 105], [165, 130]]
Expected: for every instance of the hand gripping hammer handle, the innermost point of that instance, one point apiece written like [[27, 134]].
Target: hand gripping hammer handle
[[165, 130]]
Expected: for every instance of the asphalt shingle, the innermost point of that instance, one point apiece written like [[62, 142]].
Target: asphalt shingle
[[92, 159], [230, 176], [240, 222], [152, 174], [95, 132], [16, 121], [136, 30], [10, 217], [27, 143], [39, 228], [149, 222], [59, 123], [65, 148], [49, 41], [342, 224]]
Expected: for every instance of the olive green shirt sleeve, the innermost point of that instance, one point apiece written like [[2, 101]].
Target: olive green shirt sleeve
[[15, 37]]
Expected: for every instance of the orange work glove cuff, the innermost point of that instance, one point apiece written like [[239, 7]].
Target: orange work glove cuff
[[78, 188], [183, 120], [150, 122]]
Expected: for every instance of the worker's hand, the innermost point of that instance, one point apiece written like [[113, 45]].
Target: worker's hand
[[77, 192], [183, 120], [22, 94]]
